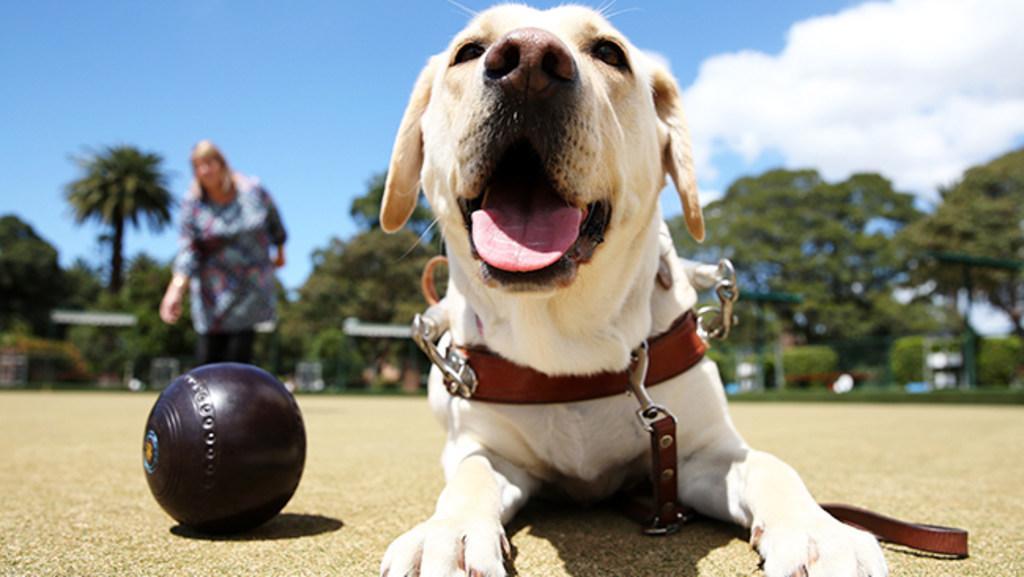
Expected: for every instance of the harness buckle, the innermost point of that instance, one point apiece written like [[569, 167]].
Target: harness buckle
[[715, 322], [459, 377], [649, 411]]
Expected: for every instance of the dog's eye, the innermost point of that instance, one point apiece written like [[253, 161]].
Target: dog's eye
[[468, 51], [610, 53]]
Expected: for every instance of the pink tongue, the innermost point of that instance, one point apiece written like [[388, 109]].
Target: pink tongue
[[518, 241]]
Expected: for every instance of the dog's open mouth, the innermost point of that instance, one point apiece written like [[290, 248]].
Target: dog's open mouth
[[524, 231]]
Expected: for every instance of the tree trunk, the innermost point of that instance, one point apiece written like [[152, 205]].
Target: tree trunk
[[116, 259]]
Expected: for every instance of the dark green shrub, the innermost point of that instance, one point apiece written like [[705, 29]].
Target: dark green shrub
[[768, 370], [907, 360], [339, 357], [998, 359], [809, 365], [726, 364], [48, 360], [907, 356]]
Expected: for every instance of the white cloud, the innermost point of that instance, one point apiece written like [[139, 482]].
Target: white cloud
[[990, 321], [915, 89]]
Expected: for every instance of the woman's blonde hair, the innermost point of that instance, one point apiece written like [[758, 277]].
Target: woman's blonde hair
[[204, 150]]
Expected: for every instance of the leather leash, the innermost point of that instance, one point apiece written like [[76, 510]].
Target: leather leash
[[931, 538], [680, 348]]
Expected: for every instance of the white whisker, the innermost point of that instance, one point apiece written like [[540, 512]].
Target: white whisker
[[623, 11], [465, 9], [419, 240], [605, 7]]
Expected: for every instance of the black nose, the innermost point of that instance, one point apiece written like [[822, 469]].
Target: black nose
[[530, 61]]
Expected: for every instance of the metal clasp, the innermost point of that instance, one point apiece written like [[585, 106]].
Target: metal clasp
[[717, 321], [459, 377], [649, 411]]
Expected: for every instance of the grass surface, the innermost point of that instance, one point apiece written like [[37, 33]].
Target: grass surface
[[979, 396], [75, 500]]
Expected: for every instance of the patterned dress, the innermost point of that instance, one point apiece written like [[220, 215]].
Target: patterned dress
[[224, 251]]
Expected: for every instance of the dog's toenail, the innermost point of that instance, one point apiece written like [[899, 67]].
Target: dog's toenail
[[755, 536], [812, 553]]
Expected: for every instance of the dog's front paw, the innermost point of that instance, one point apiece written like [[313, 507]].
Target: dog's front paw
[[822, 547], [448, 548]]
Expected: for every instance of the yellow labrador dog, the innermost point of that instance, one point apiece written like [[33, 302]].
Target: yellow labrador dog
[[542, 140]]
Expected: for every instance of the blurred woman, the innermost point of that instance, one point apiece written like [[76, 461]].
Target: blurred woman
[[228, 224]]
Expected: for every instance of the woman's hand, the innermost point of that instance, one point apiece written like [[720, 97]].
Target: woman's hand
[[170, 306], [279, 258]]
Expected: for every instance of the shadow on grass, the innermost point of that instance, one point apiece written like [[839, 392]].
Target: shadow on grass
[[601, 542], [283, 526], [910, 552]]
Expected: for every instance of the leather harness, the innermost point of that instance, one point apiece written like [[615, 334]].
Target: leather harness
[[680, 348], [501, 381]]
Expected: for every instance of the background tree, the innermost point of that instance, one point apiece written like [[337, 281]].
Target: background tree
[[366, 211], [373, 277], [791, 231], [107, 350], [982, 216], [83, 284], [31, 280], [121, 184]]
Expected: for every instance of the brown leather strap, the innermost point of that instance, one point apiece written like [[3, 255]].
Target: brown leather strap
[[639, 507], [502, 381], [668, 513], [931, 538], [427, 279]]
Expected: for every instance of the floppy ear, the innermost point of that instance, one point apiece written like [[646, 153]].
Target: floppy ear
[[677, 157], [401, 189]]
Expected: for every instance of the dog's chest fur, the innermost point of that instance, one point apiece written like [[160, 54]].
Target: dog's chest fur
[[586, 450]]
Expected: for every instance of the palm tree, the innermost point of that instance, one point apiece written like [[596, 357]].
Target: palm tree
[[120, 184]]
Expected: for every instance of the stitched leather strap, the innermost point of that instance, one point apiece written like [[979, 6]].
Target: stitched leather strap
[[931, 538], [664, 514], [668, 513], [502, 381]]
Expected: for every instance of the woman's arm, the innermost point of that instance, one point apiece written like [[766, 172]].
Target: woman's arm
[[184, 266], [170, 306]]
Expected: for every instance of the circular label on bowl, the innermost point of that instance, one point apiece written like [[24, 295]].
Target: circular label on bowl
[[150, 451]]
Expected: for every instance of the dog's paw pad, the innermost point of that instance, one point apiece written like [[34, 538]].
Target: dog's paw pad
[[821, 548], [447, 547]]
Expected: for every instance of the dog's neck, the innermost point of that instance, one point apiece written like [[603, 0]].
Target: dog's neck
[[588, 327]]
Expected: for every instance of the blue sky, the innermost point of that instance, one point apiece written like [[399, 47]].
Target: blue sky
[[307, 95]]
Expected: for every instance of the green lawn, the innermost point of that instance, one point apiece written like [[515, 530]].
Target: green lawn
[[984, 396], [75, 500]]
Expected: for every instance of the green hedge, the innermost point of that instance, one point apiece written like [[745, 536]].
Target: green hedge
[[907, 357], [726, 364], [726, 360], [48, 360], [907, 360], [810, 366], [999, 360]]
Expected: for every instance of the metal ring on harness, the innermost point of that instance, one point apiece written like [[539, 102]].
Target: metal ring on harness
[[459, 377], [717, 321]]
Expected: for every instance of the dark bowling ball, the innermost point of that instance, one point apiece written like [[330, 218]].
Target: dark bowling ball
[[224, 448]]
